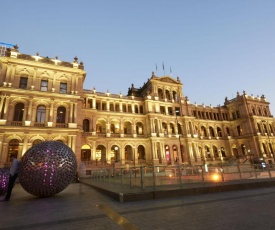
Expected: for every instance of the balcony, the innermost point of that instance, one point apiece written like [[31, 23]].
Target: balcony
[[38, 124], [16, 123], [60, 125]]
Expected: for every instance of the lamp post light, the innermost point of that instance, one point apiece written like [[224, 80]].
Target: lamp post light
[[116, 150], [178, 112], [249, 154]]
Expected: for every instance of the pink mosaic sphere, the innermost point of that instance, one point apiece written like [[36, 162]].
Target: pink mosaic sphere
[[4, 179], [47, 168]]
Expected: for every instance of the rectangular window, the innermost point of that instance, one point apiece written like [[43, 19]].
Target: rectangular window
[[44, 85], [63, 87], [23, 82]]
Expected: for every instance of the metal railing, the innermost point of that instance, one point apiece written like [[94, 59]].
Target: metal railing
[[153, 176]]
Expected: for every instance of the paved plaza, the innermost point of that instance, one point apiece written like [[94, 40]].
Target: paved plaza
[[82, 207]]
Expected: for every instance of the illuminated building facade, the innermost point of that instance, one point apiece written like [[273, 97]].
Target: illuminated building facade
[[43, 99]]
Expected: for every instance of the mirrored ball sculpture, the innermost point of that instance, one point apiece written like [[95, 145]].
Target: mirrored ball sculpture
[[47, 168]]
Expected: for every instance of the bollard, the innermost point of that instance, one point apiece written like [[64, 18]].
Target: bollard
[[121, 174], [239, 170], [121, 199], [202, 174], [141, 177], [179, 170], [268, 169], [130, 177], [154, 178]]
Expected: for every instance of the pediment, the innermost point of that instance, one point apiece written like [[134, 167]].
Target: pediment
[[168, 80]]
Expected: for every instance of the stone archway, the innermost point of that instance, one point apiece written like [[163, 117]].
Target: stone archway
[[85, 153], [100, 154]]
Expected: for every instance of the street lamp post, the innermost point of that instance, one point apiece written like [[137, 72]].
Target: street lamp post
[[135, 162], [116, 149], [177, 111], [249, 154]]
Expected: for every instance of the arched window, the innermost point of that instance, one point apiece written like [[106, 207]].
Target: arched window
[[141, 152], [215, 151], [259, 112], [253, 111], [265, 112], [86, 124], [203, 131], [13, 147], [18, 112], [139, 128], [141, 109], [239, 130], [112, 128], [219, 131], [167, 95], [41, 114], [172, 128], [98, 128], [160, 93], [228, 131], [35, 142], [175, 96], [61, 115], [270, 127], [211, 131], [207, 152]]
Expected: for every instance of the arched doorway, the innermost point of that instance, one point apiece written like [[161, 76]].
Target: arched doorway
[[85, 153], [18, 112], [141, 154], [13, 147], [207, 152], [115, 156], [235, 152], [175, 154], [128, 151], [100, 154], [215, 151], [86, 125], [35, 142], [61, 115], [167, 154]]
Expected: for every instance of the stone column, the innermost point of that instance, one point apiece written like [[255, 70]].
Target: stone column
[[75, 113], [6, 108], [94, 103], [51, 112], [71, 112], [108, 105], [2, 104], [29, 114]]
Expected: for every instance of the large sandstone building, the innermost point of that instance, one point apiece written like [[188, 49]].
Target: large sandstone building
[[43, 99]]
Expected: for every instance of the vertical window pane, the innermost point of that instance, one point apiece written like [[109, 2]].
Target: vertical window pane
[[44, 85], [18, 112], [23, 83], [63, 87], [61, 114], [41, 114]]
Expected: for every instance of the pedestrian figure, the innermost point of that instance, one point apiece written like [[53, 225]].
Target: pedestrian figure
[[13, 175]]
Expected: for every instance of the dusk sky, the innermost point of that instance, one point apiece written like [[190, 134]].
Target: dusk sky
[[215, 47]]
